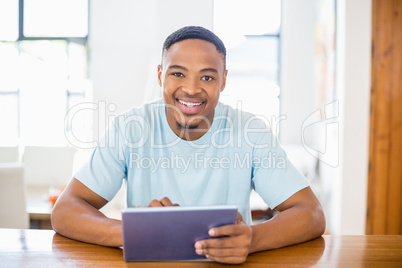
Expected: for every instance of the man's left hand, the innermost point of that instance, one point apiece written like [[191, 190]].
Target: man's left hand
[[233, 248]]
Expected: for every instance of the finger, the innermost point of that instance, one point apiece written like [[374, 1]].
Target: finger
[[231, 255], [239, 218], [243, 241], [230, 259], [165, 201], [224, 242], [155, 203], [230, 230], [226, 252]]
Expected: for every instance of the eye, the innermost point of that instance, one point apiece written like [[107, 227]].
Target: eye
[[207, 78], [178, 74]]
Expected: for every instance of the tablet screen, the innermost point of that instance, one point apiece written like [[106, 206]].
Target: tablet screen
[[169, 233]]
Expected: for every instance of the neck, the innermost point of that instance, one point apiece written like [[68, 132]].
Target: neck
[[190, 134]]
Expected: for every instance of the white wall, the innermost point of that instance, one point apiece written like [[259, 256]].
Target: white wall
[[299, 96], [343, 184], [297, 67], [353, 81]]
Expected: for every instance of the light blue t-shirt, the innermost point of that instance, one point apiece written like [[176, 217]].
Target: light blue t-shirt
[[237, 154]]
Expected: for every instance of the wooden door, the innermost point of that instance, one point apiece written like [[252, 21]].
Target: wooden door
[[384, 199]]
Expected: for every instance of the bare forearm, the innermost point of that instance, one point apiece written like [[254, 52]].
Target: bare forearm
[[81, 221], [292, 226]]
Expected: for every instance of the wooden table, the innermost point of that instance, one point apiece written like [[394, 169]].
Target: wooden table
[[44, 248]]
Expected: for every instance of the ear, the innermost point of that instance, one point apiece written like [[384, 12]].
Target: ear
[[224, 80], [160, 75]]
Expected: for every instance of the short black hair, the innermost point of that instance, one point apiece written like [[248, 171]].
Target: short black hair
[[194, 32]]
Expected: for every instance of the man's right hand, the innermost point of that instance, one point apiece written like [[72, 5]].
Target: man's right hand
[[163, 202]]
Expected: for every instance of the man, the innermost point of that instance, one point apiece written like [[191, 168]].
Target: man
[[189, 149]]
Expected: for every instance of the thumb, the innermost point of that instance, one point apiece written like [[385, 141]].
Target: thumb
[[239, 218]]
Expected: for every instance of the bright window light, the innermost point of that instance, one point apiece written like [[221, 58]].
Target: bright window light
[[8, 67], [9, 120], [55, 18], [250, 31], [8, 20], [44, 72], [236, 18]]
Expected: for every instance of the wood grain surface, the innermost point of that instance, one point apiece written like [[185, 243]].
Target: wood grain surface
[[384, 193], [45, 248]]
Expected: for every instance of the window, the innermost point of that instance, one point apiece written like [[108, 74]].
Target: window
[[43, 68], [69, 18], [250, 31]]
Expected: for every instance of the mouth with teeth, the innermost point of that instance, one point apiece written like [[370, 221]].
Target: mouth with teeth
[[190, 107], [190, 104]]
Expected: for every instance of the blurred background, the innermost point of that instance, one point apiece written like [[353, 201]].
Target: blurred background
[[68, 67]]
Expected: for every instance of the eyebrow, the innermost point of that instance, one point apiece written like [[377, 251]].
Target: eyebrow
[[178, 67], [213, 70]]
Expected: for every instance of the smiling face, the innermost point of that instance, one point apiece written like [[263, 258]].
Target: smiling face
[[192, 76]]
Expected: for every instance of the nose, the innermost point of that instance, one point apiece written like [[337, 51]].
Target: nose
[[192, 87]]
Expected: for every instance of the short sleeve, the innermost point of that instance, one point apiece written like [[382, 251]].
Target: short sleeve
[[106, 169], [274, 177]]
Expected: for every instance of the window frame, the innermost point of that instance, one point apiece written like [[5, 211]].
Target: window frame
[[21, 37]]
